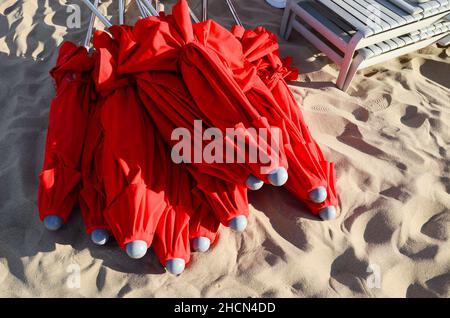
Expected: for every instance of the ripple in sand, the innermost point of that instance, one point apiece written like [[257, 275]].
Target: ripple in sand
[[350, 271], [438, 226], [417, 291], [440, 284], [380, 228]]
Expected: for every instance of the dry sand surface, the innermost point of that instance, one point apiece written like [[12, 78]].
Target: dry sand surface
[[389, 138]]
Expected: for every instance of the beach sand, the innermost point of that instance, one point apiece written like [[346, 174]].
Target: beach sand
[[389, 137]]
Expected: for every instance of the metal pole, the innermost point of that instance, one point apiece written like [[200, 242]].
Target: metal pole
[[150, 7], [205, 10], [141, 9], [233, 12], [121, 11], [193, 16], [87, 40], [97, 13], [146, 10]]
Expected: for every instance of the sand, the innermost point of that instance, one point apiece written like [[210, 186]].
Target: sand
[[389, 137]]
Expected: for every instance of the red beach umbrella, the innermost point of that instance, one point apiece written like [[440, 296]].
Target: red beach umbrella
[[228, 200], [171, 106], [160, 43], [312, 178], [172, 244], [131, 164], [209, 59], [59, 181], [92, 193]]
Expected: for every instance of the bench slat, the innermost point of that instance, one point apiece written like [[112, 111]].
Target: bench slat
[[348, 17], [396, 10], [370, 16], [358, 16], [385, 13], [326, 21]]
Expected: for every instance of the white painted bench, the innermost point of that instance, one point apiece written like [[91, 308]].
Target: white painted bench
[[341, 28]]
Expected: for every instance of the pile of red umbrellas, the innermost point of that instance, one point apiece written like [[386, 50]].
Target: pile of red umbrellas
[[139, 128]]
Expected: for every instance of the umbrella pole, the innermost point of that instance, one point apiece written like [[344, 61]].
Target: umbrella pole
[[193, 16], [141, 9], [150, 7], [234, 12], [205, 10], [145, 9], [87, 40], [121, 11], [101, 17]]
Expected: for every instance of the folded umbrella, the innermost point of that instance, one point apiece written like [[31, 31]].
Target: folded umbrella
[[208, 60], [228, 200], [312, 178], [153, 45], [172, 226], [92, 193], [131, 164], [157, 43], [59, 181], [170, 105], [203, 225], [172, 244]]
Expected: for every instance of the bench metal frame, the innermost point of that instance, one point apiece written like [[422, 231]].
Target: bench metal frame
[[343, 53]]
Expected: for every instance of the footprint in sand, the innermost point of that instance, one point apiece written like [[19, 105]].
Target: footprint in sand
[[353, 138], [361, 114], [412, 118], [371, 73], [404, 60], [379, 103], [428, 70], [320, 108]]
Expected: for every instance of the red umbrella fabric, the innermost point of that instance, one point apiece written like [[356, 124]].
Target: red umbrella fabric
[[159, 89], [309, 169], [92, 193], [131, 158], [172, 234], [203, 223], [214, 70], [169, 112], [187, 217], [59, 181], [162, 43], [148, 197], [170, 105]]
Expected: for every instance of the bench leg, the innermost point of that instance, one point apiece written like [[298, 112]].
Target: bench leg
[[348, 58], [289, 27], [352, 71], [286, 19]]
